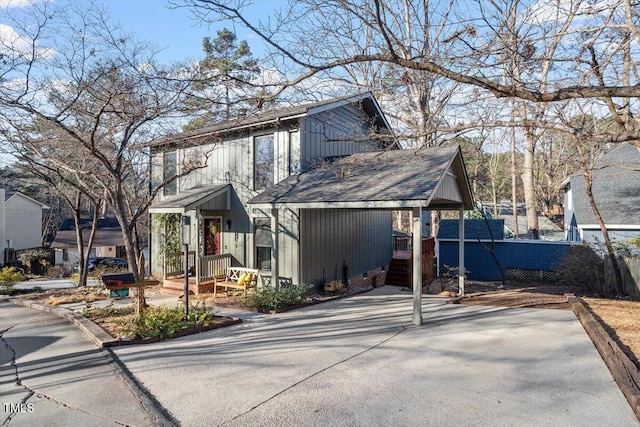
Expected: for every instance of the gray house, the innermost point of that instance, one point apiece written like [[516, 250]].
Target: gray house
[[246, 156], [616, 189], [305, 193]]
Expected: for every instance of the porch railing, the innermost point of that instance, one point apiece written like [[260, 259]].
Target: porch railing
[[174, 263], [214, 265], [401, 243]]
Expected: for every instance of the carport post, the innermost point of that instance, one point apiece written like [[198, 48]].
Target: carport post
[[461, 269], [417, 266]]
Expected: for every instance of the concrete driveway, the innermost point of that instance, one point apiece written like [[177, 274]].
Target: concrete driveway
[[358, 361]]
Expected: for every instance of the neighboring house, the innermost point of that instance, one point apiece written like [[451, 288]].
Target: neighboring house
[[616, 190], [302, 193], [22, 221], [548, 230], [108, 240]]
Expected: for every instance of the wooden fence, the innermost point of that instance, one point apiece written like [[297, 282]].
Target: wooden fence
[[630, 270]]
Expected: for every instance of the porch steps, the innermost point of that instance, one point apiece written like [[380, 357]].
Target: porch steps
[[401, 270], [399, 273]]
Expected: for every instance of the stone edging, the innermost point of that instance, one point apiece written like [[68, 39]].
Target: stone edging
[[623, 370], [95, 333]]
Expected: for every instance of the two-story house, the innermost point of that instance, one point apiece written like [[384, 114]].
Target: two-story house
[[303, 193], [246, 156]]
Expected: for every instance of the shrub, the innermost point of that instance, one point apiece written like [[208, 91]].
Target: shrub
[[57, 272], [9, 276], [268, 298], [35, 259], [582, 267], [163, 322]]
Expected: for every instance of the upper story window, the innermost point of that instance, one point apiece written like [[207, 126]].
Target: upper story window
[[169, 171], [263, 161]]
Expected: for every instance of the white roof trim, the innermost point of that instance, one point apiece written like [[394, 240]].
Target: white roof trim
[[610, 226], [17, 193]]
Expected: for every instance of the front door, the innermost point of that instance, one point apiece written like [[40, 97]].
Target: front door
[[212, 236]]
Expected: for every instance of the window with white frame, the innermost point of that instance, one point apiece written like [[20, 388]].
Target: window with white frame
[[263, 162], [263, 243], [170, 170]]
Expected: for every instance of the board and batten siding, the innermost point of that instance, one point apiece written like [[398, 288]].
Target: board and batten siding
[[338, 132], [359, 237], [330, 238], [449, 188], [3, 240]]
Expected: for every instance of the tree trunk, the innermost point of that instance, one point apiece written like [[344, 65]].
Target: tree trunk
[[514, 176], [588, 178], [533, 231]]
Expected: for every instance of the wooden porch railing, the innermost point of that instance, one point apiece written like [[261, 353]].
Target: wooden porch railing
[[174, 263], [214, 265], [401, 243], [428, 253]]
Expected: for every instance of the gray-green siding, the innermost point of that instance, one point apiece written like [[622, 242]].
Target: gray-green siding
[[331, 237], [297, 145]]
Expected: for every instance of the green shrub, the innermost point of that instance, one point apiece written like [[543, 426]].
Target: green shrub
[[268, 298], [9, 276], [163, 322]]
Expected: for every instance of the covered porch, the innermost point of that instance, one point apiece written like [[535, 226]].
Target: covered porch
[[200, 237]]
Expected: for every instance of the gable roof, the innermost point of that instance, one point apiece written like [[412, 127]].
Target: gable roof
[[9, 195], [387, 180], [616, 188], [190, 199], [261, 118]]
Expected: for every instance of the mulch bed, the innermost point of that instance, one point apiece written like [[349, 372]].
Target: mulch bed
[[218, 322]]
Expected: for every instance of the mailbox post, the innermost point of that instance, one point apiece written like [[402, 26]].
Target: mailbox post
[[186, 236]]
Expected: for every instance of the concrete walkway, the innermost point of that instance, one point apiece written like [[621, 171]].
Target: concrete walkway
[[358, 361]]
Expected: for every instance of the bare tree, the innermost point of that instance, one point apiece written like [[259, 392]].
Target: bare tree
[[77, 91], [588, 153], [537, 54]]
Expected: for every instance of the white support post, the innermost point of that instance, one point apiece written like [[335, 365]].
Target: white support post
[[417, 266], [461, 268], [275, 222]]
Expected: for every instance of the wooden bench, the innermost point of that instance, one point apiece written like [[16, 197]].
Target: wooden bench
[[233, 280]]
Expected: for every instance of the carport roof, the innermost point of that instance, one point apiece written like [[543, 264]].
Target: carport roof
[[393, 179]]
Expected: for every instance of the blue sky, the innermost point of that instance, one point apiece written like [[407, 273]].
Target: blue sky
[[175, 30]]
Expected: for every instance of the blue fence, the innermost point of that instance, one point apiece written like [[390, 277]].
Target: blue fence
[[535, 255]]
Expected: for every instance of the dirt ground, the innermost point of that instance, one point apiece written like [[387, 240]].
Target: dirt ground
[[621, 318]]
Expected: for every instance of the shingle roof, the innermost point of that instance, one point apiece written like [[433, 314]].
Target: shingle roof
[[259, 117], [108, 233], [394, 176], [188, 199], [616, 188]]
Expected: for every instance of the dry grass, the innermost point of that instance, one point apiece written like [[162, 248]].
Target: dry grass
[[621, 319]]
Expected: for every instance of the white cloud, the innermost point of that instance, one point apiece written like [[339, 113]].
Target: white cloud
[[11, 40], [16, 3], [543, 11], [14, 44]]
